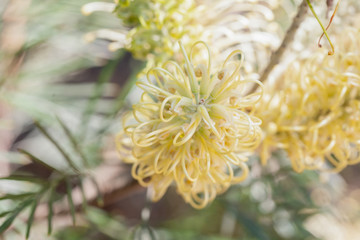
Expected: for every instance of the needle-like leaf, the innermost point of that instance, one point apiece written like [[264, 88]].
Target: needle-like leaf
[[56, 144], [74, 142], [37, 160], [31, 217], [14, 214], [51, 209], [70, 200]]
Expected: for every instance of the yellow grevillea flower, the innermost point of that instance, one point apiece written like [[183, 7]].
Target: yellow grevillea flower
[[150, 29], [315, 117], [192, 126]]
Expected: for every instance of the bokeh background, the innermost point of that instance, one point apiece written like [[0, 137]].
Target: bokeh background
[[62, 100]]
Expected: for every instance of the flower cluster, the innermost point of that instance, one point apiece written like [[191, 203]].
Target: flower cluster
[[157, 25], [150, 29], [315, 116], [192, 126]]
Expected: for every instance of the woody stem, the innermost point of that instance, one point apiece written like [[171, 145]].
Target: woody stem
[[289, 37]]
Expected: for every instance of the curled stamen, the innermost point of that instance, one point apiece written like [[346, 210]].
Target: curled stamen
[[163, 106], [89, 8], [190, 70], [105, 34], [185, 135], [206, 118]]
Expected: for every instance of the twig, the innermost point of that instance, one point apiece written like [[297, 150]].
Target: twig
[[289, 37], [331, 52]]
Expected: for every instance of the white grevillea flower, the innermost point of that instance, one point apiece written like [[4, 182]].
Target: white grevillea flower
[[192, 126]]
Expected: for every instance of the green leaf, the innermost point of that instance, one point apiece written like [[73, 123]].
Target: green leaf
[[51, 209], [74, 142], [70, 200], [26, 178], [16, 196], [99, 197], [14, 214], [105, 223], [249, 224], [56, 144], [31, 217], [84, 200], [37, 160], [3, 214]]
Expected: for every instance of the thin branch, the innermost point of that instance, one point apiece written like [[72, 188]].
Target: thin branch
[[331, 52], [289, 37]]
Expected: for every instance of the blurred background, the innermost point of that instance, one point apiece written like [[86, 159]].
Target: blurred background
[[61, 104]]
